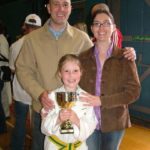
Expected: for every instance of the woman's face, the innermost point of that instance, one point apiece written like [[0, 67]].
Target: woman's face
[[102, 27]]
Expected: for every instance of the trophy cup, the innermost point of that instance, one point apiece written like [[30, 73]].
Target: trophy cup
[[66, 100]]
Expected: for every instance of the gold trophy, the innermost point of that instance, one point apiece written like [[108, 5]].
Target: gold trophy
[[66, 100]]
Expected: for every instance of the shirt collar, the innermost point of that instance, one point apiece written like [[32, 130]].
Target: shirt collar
[[68, 31], [56, 33]]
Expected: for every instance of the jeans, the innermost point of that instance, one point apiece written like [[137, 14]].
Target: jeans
[[19, 132], [38, 137], [105, 141]]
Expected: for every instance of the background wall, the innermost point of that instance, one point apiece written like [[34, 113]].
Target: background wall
[[13, 13], [135, 26]]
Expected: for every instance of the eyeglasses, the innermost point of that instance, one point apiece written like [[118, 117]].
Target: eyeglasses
[[104, 24]]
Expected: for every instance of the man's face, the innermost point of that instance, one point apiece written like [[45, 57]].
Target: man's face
[[59, 10]]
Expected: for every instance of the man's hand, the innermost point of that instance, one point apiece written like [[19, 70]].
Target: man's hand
[[129, 53], [45, 101]]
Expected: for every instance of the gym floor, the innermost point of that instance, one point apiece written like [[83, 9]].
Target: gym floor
[[136, 138]]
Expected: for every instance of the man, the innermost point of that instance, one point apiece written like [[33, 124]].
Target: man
[[21, 97], [38, 59]]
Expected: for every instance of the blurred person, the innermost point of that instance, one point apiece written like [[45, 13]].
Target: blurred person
[[113, 81], [81, 26], [6, 94], [3, 127], [22, 99], [101, 6]]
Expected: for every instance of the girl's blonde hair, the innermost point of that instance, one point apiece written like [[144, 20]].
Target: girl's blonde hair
[[66, 58]]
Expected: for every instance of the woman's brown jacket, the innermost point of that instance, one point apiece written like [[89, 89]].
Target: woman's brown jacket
[[120, 86]]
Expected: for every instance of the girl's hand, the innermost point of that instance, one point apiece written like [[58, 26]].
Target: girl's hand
[[64, 115], [69, 114], [74, 118]]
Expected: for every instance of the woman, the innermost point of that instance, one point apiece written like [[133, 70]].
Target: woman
[[114, 81]]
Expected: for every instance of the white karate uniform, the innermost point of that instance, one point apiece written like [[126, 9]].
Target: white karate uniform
[[87, 118]]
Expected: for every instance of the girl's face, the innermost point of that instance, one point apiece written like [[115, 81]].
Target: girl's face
[[102, 27], [70, 75]]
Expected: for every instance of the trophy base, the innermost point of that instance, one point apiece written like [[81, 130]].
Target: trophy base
[[67, 131], [66, 128]]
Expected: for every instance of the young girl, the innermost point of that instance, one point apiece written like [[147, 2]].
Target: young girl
[[82, 117]]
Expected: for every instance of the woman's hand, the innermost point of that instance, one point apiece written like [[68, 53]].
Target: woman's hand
[[90, 100]]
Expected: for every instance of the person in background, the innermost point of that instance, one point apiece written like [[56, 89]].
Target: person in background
[[97, 6], [22, 31], [39, 56], [3, 127], [22, 100], [117, 35], [81, 26], [113, 81], [82, 117], [6, 94]]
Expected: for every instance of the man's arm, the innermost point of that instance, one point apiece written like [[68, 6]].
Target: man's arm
[[27, 72]]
